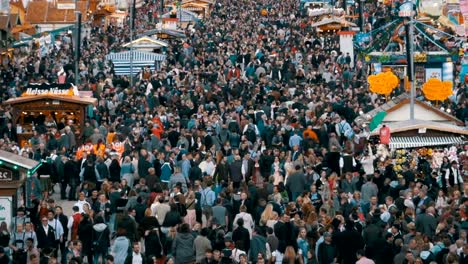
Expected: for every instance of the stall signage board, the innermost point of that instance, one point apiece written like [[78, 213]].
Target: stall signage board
[[5, 209], [6, 175], [406, 9], [65, 89]]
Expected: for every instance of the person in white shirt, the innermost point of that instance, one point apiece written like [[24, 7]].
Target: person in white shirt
[[248, 220], [56, 225], [136, 257], [82, 201]]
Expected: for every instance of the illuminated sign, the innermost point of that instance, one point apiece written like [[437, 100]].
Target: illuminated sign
[[5, 175], [65, 89]]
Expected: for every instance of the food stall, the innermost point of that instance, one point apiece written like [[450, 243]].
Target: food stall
[[46, 106], [15, 190]]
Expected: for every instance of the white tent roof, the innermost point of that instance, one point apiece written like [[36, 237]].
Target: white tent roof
[[147, 42]]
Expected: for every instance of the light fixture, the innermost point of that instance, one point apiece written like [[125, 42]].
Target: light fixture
[[15, 167], [40, 113], [443, 109], [448, 110]]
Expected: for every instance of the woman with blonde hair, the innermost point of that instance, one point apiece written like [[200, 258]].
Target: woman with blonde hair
[[266, 215], [191, 217], [274, 219]]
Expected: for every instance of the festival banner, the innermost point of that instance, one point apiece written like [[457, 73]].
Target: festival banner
[[64, 89]]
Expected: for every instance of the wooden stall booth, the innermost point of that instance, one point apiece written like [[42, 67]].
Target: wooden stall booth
[[15, 183], [47, 107]]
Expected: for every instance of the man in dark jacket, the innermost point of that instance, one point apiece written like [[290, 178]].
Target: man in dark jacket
[[241, 234], [235, 172], [59, 168], [73, 177], [348, 243], [100, 238], [296, 183], [45, 235], [327, 253], [136, 256], [372, 233], [10, 132], [257, 245], [426, 222]]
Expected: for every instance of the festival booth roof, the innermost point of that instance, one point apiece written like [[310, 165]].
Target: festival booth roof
[[146, 43], [334, 20], [325, 11], [433, 127], [57, 12], [429, 134], [17, 163], [164, 33], [17, 160], [400, 57], [198, 1], [122, 66], [416, 124], [397, 109], [183, 15], [70, 99]]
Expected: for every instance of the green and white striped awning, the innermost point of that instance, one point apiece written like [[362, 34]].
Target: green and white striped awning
[[415, 142]]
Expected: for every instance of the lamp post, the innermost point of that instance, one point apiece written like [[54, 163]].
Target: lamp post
[[361, 15], [161, 10], [77, 47], [132, 27], [407, 12], [410, 59]]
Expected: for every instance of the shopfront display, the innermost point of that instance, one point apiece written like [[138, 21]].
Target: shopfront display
[[47, 108]]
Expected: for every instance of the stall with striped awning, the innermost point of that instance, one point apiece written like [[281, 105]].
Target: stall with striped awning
[[415, 142], [121, 61]]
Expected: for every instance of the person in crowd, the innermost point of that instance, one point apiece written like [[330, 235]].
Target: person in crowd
[[251, 138], [46, 238], [183, 245]]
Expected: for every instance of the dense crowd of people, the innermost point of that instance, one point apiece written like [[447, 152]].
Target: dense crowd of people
[[241, 149]]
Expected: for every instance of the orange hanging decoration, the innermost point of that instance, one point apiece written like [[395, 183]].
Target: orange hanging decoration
[[383, 83], [264, 12], [436, 90]]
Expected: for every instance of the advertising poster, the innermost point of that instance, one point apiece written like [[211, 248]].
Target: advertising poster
[[433, 73], [5, 209]]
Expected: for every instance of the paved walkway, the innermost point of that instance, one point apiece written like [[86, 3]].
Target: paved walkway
[[65, 204]]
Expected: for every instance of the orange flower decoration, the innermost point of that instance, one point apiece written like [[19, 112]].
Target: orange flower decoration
[[383, 83], [436, 90]]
